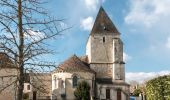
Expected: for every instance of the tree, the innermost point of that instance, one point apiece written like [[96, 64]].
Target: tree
[[137, 92], [82, 91], [25, 28], [158, 88]]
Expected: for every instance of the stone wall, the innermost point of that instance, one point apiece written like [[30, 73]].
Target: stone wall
[[9, 93], [41, 84], [101, 48], [118, 72], [102, 70], [101, 91]]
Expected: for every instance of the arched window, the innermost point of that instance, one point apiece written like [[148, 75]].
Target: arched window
[[75, 80]]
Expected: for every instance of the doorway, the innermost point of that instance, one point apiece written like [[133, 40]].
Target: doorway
[[108, 94], [34, 95], [119, 95]]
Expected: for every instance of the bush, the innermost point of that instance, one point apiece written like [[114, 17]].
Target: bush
[[26, 96], [158, 88]]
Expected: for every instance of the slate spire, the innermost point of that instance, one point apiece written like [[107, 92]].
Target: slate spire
[[103, 24]]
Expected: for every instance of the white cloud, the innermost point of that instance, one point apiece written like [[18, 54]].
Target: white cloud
[[92, 4], [144, 76], [126, 57], [148, 12], [87, 23], [168, 43]]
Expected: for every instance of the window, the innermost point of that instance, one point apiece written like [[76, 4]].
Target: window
[[28, 87], [75, 79], [107, 93], [61, 84], [103, 39]]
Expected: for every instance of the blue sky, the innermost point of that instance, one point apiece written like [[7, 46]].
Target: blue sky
[[144, 27]]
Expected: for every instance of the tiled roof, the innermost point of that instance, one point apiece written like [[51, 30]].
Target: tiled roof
[[84, 59], [5, 61], [103, 24], [74, 64]]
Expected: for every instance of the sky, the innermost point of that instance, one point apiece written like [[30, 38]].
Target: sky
[[143, 24]]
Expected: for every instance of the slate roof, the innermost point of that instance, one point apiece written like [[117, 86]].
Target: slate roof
[[74, 64], [103, 24], [109, 81]]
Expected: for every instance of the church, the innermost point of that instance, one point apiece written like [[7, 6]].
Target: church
[[102, 67]]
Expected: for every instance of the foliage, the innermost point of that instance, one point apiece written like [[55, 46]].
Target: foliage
[[158, 88], [26, 96], [137, 92], [82, 91]]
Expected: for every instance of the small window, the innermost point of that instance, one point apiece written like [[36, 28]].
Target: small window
[[75, 80], [103, 39], [28, 87]]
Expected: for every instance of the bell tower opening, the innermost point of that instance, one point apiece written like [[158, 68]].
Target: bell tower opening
[[103, 39]]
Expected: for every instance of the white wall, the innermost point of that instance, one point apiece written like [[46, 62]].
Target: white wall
[[26, 89]]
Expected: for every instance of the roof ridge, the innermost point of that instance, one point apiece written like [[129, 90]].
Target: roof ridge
[[103, 23]]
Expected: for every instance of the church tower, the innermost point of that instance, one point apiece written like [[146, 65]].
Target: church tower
[[105, 49], [105, 55]]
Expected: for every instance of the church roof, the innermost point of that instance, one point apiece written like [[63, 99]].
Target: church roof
[[74, 64], [103, 24], [110, 81]]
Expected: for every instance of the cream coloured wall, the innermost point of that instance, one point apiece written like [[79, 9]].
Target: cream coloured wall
[[67, 81], [88, 48]]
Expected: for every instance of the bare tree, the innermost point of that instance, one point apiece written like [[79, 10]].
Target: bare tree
[[25, 27]]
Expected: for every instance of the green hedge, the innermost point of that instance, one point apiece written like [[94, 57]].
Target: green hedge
[[158, 88]]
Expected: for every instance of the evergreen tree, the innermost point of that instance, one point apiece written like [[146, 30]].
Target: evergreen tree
[[82, 91]]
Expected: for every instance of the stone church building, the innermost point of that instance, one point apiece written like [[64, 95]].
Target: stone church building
[[102, 66]]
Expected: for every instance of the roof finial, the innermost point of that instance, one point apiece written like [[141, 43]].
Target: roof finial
[[100, 2]]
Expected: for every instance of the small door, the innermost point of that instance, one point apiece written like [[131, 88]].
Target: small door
[[34, 95], [119, 95], [107, 93]]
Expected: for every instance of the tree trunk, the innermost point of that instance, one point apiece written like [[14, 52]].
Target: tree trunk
[[21, 46]]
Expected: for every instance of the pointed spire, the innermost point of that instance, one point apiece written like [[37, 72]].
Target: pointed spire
[[103, 24]]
